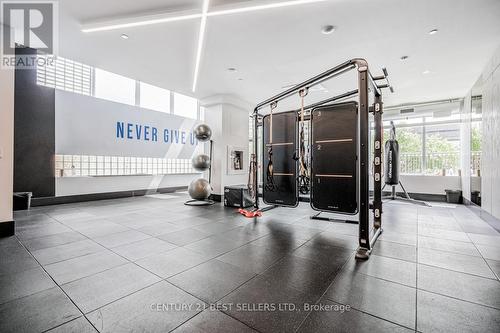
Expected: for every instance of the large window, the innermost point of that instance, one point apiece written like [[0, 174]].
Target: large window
[[429, 144], [476, 149], [185, 106], [76, 77], [114, 87], [410, 147], [69, 75], [154, 98], [65, 74], [442, 149]]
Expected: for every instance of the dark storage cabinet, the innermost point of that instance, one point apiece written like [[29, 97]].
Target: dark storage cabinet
[[237, 196]]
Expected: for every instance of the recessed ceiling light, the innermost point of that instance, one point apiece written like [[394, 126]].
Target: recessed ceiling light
[[433, 32], [240, 79], [327, 29], [426, 72], [124, 36], [403, 58], [231, 69]]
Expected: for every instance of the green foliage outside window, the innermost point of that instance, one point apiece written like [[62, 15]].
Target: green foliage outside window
[[476, 138]]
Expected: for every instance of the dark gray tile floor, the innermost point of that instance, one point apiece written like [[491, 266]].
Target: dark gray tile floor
[[151, 264]]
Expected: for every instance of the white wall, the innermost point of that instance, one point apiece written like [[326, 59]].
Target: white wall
[[475, 183], [490, 163], [87, 126], [90, 185], [426, 184], [6, 143], [228, 118], [430, 184]]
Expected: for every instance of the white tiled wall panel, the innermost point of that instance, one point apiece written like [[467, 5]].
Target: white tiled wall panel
[[490, 183]]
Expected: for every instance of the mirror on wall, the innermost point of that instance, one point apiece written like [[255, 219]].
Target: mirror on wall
[[476, 136]]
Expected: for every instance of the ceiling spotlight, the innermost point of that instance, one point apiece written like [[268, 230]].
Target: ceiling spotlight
[[433, 32], [403, 58], [426, 72], [124, 36], [327, 29], [231, 69], [240, 79]]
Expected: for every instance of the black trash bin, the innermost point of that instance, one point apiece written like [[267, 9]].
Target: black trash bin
[[453, 196], [22, 200], [475, 197]]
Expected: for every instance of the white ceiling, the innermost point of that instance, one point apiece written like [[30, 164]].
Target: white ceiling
[[278, 47]]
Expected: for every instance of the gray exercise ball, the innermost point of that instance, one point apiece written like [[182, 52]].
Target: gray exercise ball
[[202, 132], [200, 189], [201, 162]]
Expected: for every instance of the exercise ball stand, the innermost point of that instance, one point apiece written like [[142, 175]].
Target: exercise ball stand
[[204, 202]]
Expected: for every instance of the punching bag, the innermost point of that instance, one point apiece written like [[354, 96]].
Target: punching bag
[[391, 170], [391, 165]]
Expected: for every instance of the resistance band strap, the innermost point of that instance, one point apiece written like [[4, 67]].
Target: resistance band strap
[[303, 179], [251, 177], [270, 170], [302, 150]]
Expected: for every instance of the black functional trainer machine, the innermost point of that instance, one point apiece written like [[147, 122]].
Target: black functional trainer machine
[[391, 171], [339, 146]]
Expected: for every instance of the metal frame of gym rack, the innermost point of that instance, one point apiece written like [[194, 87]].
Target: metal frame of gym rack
[[366, 84]]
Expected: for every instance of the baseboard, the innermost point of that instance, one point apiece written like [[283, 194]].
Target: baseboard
[[47, 201], [484, 215], [7, 228], [419, 196], [467, 202], [216, 197]]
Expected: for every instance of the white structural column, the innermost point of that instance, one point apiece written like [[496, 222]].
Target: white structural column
[[490, 160], [465, 146], [6, 144], [228, 118]]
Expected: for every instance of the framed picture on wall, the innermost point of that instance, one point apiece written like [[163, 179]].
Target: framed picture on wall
[[237, 159]]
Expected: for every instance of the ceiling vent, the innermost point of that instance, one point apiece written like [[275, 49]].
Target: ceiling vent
[[406, 111], [441, 114]]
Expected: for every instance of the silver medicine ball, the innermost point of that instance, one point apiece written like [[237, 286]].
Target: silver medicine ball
[[202, 132], [201, 162], [200, 189]]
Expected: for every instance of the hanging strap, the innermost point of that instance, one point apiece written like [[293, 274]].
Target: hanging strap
[[273, 106], [251, 173], [302, 93], [303, 172], [302, 151], [270, 170], [393, 131]]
